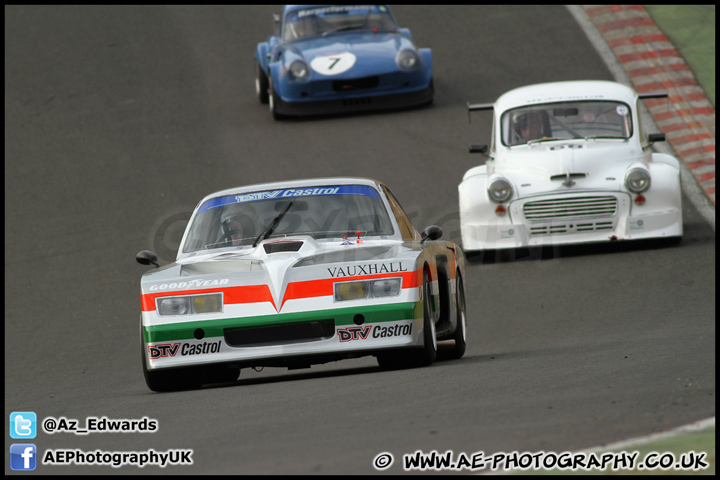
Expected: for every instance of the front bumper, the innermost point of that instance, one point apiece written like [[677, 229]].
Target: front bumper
[[357, 102], [629, 222], [266, 340]]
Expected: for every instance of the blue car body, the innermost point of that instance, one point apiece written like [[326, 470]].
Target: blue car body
[[326, 59]]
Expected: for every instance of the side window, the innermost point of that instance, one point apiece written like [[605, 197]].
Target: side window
[[407, 230]]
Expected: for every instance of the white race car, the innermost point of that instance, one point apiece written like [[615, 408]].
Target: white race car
[[297, 273], [569, 163]]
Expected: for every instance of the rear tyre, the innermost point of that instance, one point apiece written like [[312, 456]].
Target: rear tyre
[[460, 330]]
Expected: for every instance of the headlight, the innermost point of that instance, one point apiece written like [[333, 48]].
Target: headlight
[[351, 291], [299, 70], [190, 304], [637, 180], [385, 287], [499, 190], [207, 303], [173, 306], [407, 60]]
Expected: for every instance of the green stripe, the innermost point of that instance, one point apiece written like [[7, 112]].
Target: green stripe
[[342, 316]]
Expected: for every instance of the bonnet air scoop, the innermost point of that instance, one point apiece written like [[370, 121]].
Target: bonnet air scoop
[[283, 246]]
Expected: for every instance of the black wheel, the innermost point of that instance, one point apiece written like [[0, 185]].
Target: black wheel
[[413, 358], [273, 100], [460, 331], [261, 84], [427, 355]]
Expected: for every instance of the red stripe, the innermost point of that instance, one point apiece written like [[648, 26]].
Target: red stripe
[[691, 138], [625, 23], [294, 290], [692, 151], [232, 295], [324, 287]]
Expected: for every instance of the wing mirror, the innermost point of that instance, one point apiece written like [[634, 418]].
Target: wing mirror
[[433, 232], [146, 257], [655, 137]]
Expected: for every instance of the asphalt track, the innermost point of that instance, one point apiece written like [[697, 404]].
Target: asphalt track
[[118, 120]]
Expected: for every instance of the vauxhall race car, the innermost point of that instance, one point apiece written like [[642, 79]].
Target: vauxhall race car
[[568, 163], [325, 59], [298, 273]]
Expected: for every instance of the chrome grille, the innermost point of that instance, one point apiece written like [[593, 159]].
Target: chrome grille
[[571, 228], [570, 208]]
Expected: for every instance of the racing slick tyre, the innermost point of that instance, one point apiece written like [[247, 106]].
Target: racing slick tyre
[[413, 358], [273, 100], [460, 331], [261, 84]]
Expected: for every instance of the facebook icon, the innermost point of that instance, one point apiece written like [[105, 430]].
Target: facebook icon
[[23, 456]]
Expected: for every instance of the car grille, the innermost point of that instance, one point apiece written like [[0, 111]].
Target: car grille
[[280, 334], [275, 247], [570, 208], [355, 84], [571, 228]]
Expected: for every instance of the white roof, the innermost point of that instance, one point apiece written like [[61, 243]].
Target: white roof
[[565, 91]]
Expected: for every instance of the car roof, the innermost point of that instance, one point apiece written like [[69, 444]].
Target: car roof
[[292, 8], [578, 90], [301, 183]]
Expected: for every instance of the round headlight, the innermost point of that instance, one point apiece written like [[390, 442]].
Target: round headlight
[[499, 190], [407, 60], [637, 180], [299, 69]]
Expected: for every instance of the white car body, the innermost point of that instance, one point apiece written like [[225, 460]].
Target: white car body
[[568, 188]]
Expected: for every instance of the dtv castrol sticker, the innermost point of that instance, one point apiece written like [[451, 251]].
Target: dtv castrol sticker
[[183, 349], [348, 334]]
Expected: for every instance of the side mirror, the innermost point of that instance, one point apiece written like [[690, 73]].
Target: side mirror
[[656, 137], [146, 257], [433, 232], [479, 149]]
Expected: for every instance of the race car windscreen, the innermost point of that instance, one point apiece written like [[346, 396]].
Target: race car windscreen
[[328, 19], [322, 212], [560, 121]]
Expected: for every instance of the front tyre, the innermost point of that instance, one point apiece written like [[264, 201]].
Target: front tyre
[[413, 358], [273, 100], [261, 84], [168, 380]]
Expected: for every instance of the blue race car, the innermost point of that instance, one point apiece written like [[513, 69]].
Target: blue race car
[[325, 59]]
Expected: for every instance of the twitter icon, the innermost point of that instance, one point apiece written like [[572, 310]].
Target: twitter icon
[[23, 425]]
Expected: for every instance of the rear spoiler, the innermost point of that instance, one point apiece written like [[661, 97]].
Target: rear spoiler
[[478, 106]]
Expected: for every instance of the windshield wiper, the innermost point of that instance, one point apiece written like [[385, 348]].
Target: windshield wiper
[[344, 27], [273, 225], [546, 139]]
